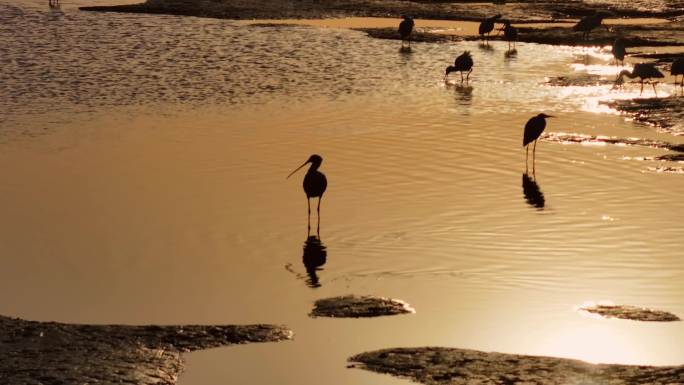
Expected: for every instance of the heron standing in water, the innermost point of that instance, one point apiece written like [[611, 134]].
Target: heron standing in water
[[314, 185], [533, 130], [643, 71], [405, 30], [463, 63], [587, 23], [487, 26], [678, 69], [619, 51]]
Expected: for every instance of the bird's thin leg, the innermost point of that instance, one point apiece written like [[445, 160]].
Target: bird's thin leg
[[654, 90], [318, 226], [642, 87], [534, 158], [308, 218], [527, 154], [468, 75], [461, 76]]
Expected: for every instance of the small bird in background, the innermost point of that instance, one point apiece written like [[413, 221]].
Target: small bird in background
[[588, 23], [315, 184], [510, 33], [678, 69], [405, 30], [533, 130], [619, 51], [463, 63], [487, 26], [643, 71]]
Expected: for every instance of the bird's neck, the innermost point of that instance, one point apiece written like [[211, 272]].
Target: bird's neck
[[313, 168], [627, 73]]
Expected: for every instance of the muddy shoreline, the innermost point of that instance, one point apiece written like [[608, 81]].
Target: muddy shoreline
[[56, 353]]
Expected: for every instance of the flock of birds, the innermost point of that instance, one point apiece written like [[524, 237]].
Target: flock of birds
[[315, 182]]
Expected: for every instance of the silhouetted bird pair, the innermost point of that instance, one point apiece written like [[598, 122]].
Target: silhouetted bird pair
[[487, 26]]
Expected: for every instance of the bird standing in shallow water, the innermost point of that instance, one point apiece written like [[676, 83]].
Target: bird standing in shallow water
[[487, 26], [619, 51], [405, 30], [643, 71], [678, 69], [533, 130], [463, 63], [510, 33], [587, 23], [315, 184]]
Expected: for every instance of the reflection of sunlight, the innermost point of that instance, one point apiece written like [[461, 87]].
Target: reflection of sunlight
[[596, 342], [600, 69]]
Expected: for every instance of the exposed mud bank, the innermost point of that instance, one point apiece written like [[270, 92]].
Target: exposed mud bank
[[441, 366], [55, 353], [562, 137], [631, 313], [664, 113], [351, 306], [276, 9]]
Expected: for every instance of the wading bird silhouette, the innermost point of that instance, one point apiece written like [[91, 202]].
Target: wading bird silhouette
[[405, 30], [619, 51], [510, 33], [678, 69], [533, 130], [463, 63], [314, 186], [643, 71], [587, 23], [487, 26]]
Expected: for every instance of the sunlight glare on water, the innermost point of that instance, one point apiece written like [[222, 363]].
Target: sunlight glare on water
[[147, 184]]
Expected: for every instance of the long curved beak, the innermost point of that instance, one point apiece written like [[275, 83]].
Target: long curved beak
[[297, 169]]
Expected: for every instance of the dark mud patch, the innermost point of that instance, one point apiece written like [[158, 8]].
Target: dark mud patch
[[56, 353], [578, 80], [441, 366], [351, 306], [522, 11], [416, 36], [664, 113], [631, 313], [652, 35], [563, 137]]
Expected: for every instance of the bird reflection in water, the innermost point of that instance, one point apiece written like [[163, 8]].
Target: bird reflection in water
[[533, 195], [511, 54], [314, 257], [464, 93]]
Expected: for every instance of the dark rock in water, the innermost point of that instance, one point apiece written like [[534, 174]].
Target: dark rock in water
[[55, 353], [631, 313], [355, 307], [442, 366], [665, 113]]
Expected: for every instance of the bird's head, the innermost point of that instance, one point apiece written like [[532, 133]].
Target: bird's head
[[544, 116], [406, 17], [449, 70], [315, 161]]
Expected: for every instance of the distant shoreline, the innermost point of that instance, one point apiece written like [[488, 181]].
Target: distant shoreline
[[634, 35]]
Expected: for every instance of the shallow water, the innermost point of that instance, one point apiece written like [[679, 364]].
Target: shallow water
[[145, 172]]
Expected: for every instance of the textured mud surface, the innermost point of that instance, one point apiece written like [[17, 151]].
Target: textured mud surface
[[355, 307], [665, 113], [56, 353], [426, 9], [631, 313], [562, 137], [441, 366]]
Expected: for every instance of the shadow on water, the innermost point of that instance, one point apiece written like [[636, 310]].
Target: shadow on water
[[511, 54], [405, 50], [485, 47], [464, 93], [313, 258], [533, 195]]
